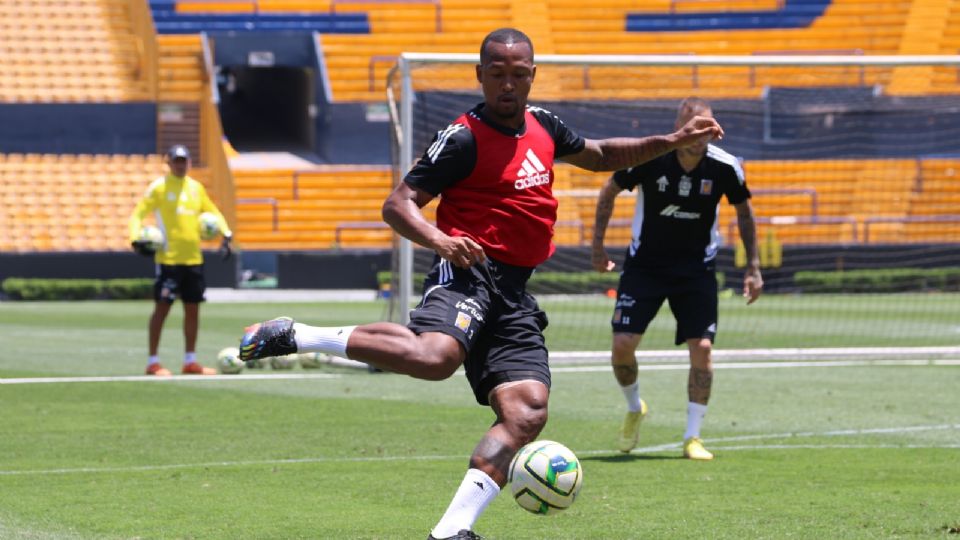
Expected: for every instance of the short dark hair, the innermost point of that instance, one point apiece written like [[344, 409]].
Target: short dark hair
[[693, 103], [506, 36]]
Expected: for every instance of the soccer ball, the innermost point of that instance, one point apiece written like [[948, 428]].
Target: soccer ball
[[545, 477], [153, 236], [228, 361], [209, 226], [257, 363], [313, 360], [283, 362]]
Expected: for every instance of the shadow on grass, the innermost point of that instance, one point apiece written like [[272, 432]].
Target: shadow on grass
[[624, 458]]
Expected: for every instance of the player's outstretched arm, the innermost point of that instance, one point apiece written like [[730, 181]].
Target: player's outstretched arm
[[401, 211], [752, 280], [623, 152], [598, 255]]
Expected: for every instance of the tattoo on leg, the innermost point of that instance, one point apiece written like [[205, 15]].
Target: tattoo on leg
[[493, 452], [626, 375], [699, 383]]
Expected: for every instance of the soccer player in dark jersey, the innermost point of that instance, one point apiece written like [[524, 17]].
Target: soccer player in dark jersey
[[672, 257], [494, 169]]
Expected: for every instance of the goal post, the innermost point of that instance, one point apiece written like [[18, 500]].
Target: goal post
[[852, 161]]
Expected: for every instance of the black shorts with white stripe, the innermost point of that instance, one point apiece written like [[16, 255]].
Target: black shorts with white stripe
[[487, 310]]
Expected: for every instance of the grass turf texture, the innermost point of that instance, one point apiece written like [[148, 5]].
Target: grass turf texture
[[379, 456]]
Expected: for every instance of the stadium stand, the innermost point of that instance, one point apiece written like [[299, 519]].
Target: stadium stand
[[173, 17], [75, 51], [845, 201], [104, 51], [70, 202], [313, 209]]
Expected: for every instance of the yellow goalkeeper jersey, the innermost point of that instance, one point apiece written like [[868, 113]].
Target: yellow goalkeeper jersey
[[177, 203]]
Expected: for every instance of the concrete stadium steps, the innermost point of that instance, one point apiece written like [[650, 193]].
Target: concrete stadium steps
[[70, 52], [51, 202]]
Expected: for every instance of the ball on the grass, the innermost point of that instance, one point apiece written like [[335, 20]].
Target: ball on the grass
[[228, 361], [283, 362], [313, 360]]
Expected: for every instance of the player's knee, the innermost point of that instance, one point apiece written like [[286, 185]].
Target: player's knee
[[701, 352], [528, 418], [625, 344], [703, 346]]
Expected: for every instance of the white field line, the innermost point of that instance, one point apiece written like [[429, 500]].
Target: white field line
[[646, 450], [175, 378], [822, 353], [765, 365], [787, 435], [562, 369]]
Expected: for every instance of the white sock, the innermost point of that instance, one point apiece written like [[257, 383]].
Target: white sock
[[476, 491], [153, 359], [189, 358], [632, 393], [330, 339], [695, 414]]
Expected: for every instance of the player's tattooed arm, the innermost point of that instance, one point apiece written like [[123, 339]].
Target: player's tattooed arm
[[608, 194], [748, 232], [623, 152], [752, 280], [699, 383]]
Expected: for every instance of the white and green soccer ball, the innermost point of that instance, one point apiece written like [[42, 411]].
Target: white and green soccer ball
[[209, 226], [313, 360], [545, 477], [228, 361], [283, 362], [153, 236]]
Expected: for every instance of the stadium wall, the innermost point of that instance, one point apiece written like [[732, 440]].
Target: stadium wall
[[106, 265], [357, 269], [78, 128]]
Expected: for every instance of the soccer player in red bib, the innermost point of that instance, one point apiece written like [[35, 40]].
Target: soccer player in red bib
[[672, 257], [493, 167]]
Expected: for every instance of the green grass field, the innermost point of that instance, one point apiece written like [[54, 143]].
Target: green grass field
[[868, 451]]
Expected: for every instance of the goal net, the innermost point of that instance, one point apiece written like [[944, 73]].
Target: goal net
[[854, 167]]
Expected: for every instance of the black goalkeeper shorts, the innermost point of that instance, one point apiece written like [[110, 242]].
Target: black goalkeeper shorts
[[487, 309], [179, 281]]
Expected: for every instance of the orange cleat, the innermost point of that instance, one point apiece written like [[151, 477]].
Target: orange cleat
[[158, 370], [194, 368]]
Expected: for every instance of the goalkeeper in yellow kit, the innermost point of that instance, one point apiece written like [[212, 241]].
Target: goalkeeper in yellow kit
[[177, 202]]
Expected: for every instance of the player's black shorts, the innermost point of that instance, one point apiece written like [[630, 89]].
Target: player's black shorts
[[692, 299], [487, 309], [179, 281]]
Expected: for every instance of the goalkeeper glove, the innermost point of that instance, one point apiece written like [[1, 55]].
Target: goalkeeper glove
[[225, 251], [142, 247]]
